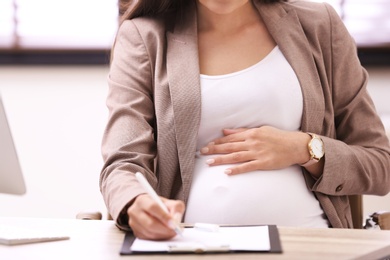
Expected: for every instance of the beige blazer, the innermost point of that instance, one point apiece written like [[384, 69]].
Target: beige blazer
[[154, 103]]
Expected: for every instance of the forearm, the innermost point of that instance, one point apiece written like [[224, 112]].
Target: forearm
[[354, 169]]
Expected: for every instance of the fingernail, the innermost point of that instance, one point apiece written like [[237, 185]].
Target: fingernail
[[228, 171], [210, 161], [204, 150], [171, 224], [175, 226]]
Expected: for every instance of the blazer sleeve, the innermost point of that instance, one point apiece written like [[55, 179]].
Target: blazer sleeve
[[357, 160], [128, 143]]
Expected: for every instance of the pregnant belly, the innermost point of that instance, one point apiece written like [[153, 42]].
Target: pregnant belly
[[260, 197]]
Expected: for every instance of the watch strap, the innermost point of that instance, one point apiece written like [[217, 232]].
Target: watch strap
[[311, 161]]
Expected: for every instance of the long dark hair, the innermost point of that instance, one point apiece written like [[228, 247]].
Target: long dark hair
[[129, 9]]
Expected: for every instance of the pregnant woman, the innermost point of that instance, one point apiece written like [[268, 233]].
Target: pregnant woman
[[238, 112]]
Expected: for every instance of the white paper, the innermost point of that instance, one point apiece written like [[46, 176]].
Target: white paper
[[250, 238]]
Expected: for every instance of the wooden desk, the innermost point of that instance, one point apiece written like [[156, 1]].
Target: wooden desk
[[100, 239]]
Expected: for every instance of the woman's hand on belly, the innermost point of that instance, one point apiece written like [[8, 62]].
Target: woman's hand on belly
[[149, 221], [263, 148]]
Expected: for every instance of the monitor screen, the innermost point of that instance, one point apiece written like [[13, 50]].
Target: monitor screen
[[11, 177]]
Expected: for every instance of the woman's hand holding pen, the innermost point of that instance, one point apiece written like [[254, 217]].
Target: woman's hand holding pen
[[149, 221], [263, 148]]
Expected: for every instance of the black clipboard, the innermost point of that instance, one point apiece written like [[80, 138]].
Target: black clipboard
[[273, 233]]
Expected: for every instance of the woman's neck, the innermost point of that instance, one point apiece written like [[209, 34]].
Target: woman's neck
[[226, 18]]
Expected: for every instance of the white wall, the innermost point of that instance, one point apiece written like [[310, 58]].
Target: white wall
[[57, 115]]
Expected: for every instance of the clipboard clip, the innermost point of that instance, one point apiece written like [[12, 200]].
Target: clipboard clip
[[198, 248]]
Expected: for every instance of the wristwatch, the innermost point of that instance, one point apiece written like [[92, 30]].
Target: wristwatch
[[316, 150]]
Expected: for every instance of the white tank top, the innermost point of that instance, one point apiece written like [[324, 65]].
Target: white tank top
[[267, 93]]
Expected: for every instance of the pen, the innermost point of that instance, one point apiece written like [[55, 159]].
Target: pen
[[145, 184]]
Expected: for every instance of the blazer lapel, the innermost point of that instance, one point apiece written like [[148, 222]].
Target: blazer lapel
[[184, 83], [285, 27]]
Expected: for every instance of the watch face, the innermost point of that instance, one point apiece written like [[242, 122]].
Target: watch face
[[317, 147]]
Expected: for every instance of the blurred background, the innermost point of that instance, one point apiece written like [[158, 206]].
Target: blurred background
[[53, 66]]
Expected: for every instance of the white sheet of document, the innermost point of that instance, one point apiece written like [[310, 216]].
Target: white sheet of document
[[246, 238]]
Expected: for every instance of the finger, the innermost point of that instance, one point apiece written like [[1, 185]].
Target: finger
[[145, 203], [266, 164], [224, 148], [145, 226], [231, 158], [231, 138], [176, 207], [176, 210], [242, 168], [233, 131], [178, 217], [231, 135], [161, 215]]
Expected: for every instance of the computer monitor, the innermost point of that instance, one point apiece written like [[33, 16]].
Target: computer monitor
[[11, 176]]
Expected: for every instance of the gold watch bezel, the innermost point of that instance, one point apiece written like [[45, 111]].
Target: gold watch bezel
[[313, 157]]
